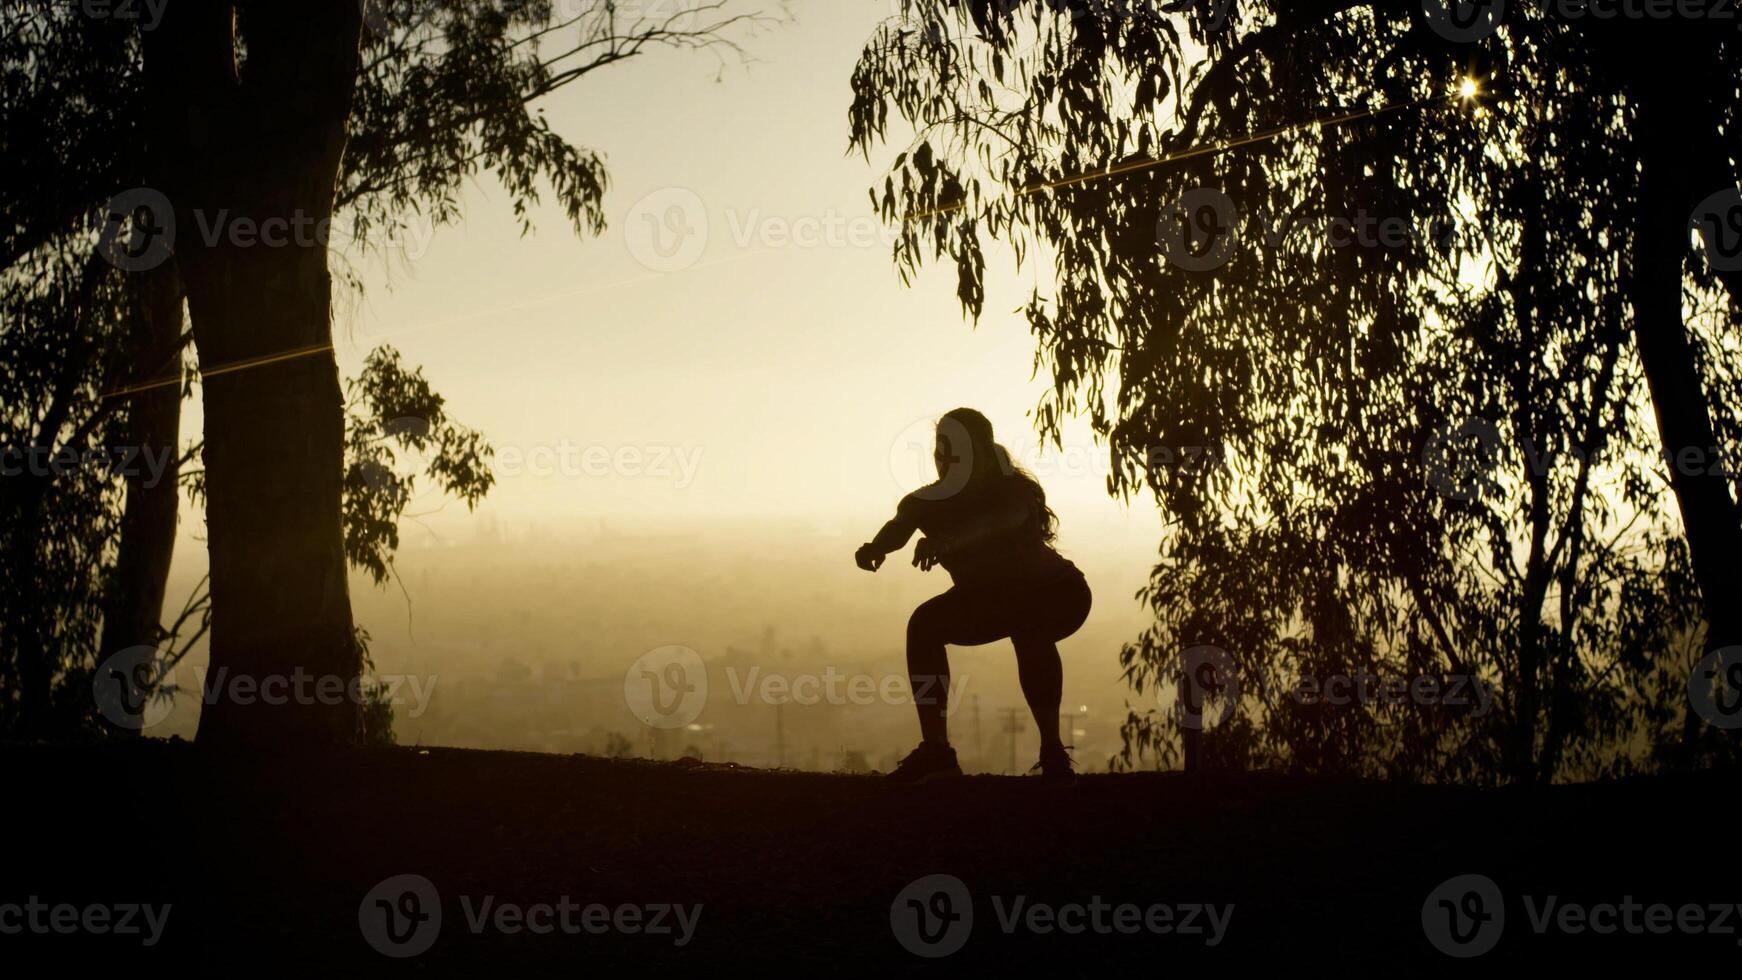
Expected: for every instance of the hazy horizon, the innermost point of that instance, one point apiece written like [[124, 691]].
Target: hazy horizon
[[761, 382]]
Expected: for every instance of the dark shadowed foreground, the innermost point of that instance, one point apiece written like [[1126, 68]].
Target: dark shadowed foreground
[[265, 867]]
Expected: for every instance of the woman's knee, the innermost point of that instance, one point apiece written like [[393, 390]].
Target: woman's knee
[[926, 626], [1035, 650]]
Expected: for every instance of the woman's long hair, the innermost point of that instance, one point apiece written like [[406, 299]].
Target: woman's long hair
[[968, 434]]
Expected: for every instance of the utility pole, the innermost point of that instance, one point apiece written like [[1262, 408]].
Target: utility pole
[[1068, 724], [979, 746], [1012, 725], [779, 735]]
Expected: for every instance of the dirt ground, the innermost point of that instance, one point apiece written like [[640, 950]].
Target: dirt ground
[[292, 865]]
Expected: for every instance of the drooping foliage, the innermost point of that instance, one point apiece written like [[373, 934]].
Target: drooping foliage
[[1363, 334]]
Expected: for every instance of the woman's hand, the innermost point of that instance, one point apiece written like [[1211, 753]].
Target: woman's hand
[[868, 557], [928, 552]]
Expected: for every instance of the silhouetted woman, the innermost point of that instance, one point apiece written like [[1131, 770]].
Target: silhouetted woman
[[986, 521]]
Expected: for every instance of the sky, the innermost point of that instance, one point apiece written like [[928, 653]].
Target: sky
[[773, 365], [769, 366], [756, 393]]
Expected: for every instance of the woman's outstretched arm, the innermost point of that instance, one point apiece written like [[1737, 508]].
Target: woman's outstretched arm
[[892, 536]]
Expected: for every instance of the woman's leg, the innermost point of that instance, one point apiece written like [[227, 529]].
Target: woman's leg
[[1060, 608], [958, 616], [1042, 674], [928, 668]]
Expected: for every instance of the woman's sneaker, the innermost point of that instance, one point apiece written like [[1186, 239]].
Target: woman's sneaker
[[1055, 766], [926, 763]]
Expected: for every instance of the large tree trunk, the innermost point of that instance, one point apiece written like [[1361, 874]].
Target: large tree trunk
[[1670, 108], [134, 616], [241, 150]]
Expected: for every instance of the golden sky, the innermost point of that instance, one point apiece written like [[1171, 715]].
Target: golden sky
[[773, 366]]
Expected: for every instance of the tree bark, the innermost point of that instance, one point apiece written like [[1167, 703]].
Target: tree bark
[[146, 543], [1669, 111], [250, 161]]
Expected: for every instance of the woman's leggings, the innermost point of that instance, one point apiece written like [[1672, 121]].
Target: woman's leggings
[[1034, 615]]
